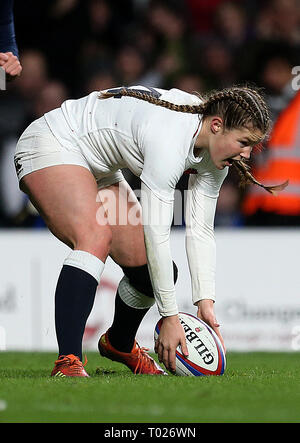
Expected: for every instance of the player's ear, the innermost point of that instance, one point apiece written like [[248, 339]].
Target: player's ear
[[216, 125]]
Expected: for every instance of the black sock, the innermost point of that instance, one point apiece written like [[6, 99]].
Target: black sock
[[74, 299], [125, 325]]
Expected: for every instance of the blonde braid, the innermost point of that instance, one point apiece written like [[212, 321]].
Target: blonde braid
[[247, 178], [125, 92]]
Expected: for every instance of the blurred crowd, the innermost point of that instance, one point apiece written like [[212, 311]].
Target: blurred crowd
[[69, 48]]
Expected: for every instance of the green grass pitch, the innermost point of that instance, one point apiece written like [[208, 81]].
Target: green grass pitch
[[256, 388]]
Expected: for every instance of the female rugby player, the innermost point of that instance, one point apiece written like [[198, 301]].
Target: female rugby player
[[69, 164]]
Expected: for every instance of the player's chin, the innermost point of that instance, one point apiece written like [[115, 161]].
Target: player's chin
[[221, 165]]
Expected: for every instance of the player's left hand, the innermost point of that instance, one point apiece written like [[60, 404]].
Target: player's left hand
[[206, 313], [11, 64]]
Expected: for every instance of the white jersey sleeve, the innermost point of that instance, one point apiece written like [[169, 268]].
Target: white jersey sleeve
[[203, 192], [165, 150], [157, 218]]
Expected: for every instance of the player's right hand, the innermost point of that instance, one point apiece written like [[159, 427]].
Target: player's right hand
[[171, 335]]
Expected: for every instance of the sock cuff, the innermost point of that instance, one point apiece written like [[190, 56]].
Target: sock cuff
[[133, 298], [86, 262]]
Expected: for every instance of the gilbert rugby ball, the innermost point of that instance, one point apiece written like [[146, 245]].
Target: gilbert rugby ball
[[206, 354]]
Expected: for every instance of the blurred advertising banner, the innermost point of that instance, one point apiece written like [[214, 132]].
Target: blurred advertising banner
[[258, 290]]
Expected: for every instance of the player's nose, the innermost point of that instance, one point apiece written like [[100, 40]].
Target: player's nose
[[246, 152]]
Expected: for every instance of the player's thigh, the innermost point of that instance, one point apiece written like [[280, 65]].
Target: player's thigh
[[66, 198], [124, 214]]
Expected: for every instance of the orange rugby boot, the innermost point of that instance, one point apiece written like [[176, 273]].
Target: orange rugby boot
[[69, 366], [138, 361]]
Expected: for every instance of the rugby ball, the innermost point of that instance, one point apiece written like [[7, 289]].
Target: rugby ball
[[206, 353]]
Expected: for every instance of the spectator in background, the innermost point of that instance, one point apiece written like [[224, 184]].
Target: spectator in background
[[170, 25], [51, 96], [276, 76], [29, 98], [202, 15], [279, 20], [190, 82], [228, 212], [231, 25], [99, 80], [217, 64], [16, 109], [9, 54], [146, 41], [35, 74], [129, 66], [64, 28], [16, 210], [101, 34], [281, 160], [17, 101]]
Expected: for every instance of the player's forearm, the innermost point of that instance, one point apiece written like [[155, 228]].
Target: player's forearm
[[161, 272], [157, 217], [201, 254], [200, 244]]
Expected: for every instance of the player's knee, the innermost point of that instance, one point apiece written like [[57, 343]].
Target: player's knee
[[96, 240], [139, 278]]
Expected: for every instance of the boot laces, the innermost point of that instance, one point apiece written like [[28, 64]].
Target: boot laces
[[143, 360], [71, 360]]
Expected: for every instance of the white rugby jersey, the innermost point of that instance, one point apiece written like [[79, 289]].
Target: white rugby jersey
[[157, 145]]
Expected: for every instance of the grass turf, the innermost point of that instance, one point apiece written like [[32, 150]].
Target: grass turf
[[256, 388]]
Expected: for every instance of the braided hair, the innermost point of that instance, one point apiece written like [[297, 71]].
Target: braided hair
[[238, 106]]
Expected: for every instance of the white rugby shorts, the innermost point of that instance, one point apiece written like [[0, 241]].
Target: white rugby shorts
[[37, 148]]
